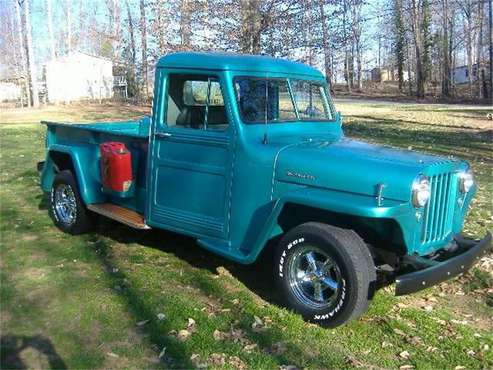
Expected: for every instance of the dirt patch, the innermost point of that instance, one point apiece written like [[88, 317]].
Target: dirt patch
[[34, 273], [29, 238]]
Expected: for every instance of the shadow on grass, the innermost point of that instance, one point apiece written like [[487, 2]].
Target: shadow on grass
[[12, 346], [256, 277]]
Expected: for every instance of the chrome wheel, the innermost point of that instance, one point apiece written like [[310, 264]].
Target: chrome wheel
[[65, 204], [314, 277]]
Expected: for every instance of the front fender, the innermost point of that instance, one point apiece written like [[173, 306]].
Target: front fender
[[333, 201], [85, 162]]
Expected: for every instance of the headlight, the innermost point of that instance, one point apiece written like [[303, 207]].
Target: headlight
[[466, 181], [421, 191]]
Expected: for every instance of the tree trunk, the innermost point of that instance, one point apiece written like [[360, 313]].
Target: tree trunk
[[143, 25], [418, 46], [356, 39], [445, 50], [409, 70], [325, 43], [490, 11], [160, 26], [51, 36], [250, 27], [399, 45], [185, 26], [30, 56], [359, 65], [21, 34], [131, 33], [347, 76], [479, 48], [116, 29]]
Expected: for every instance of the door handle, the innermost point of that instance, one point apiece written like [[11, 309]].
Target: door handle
[[162, 135]]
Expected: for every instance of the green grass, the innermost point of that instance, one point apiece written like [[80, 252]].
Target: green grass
[[77, 301]]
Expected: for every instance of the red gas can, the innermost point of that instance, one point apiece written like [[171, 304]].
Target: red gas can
[[116, 166]]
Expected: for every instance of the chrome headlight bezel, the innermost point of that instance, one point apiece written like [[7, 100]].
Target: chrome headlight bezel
[[466, 181], [421, 191]]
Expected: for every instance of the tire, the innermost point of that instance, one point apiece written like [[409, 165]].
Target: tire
[[67, 208], [325, 273]]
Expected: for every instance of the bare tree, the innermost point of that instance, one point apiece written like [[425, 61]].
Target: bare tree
[[416, 11], [479, 49], [446, 50], [185, 23], [21, 35], [159, 26], [143, 29], [51, 36], [30, 56], [348, 68], [131, 32], [114, 26], [325, 43], [356, 25], [68, 7], [399, 42]]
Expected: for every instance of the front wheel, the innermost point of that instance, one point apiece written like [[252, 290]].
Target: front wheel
[[326, 273], [67, 208]]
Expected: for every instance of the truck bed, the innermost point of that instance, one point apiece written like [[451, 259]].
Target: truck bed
[[136, 129], [81, 142]]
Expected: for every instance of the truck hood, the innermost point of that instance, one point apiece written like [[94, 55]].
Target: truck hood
[[354, 166]]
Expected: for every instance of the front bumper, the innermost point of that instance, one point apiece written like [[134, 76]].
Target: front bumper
[[468, 252]]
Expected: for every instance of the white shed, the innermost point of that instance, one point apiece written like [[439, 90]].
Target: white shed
[[9, 91], [79, 76]]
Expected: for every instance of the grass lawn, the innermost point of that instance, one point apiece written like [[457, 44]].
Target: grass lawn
[[123, 298]]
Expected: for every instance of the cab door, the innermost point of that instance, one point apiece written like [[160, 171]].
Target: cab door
[[191, 162]]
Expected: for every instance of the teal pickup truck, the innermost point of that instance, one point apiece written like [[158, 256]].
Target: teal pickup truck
[[246, 153]]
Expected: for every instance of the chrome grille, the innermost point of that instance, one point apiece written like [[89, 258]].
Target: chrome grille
[[438, 213]]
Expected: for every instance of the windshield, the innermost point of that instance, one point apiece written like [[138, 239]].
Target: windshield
[[274, 100]]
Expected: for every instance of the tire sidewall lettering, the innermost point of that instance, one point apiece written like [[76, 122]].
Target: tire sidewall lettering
[[342, 295], [285, 252]]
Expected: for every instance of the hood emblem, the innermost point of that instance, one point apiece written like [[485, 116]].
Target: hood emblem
[[304, 176]]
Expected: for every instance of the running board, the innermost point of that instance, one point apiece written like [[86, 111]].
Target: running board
[[124, 215]]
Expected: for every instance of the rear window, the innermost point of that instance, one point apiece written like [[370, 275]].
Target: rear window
[[195, 93]]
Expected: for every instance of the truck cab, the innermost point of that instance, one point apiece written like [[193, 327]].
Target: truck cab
[[243, 152]]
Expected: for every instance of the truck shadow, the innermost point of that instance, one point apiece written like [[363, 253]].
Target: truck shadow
[[257, 277], [12, 346]]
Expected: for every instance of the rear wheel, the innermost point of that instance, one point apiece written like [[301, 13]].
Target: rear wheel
[[326, 273], [67, 208]]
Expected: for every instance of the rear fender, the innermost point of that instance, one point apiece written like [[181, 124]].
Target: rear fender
[[84, 163]]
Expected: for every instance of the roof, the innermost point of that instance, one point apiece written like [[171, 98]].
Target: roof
[[75, 55], [235, 62]]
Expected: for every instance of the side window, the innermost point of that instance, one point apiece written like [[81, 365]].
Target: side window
[[195, 102]]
